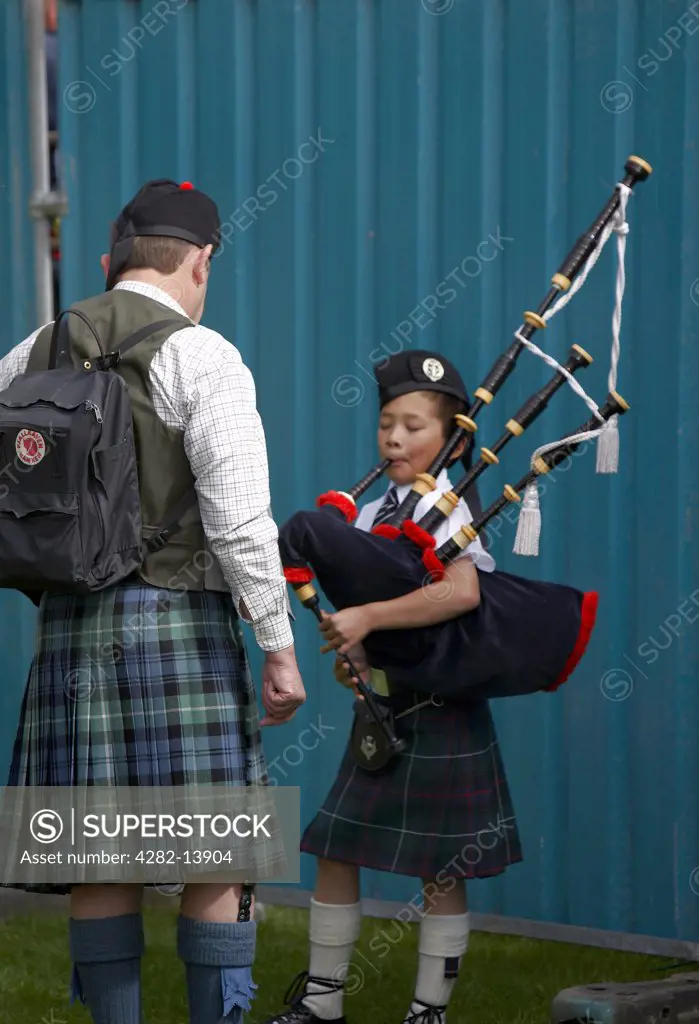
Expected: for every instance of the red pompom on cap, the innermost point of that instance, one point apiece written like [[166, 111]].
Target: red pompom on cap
[[186, 185]]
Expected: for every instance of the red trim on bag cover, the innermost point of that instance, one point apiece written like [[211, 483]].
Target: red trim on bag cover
[[298, 575], [588, 616], [417, 535], [384, 530], [433, 565], [345, 505]]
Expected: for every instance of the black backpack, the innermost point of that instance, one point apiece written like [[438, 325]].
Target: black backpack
[[70, 512]]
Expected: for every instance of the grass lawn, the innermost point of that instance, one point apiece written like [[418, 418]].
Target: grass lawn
[[503, 980]]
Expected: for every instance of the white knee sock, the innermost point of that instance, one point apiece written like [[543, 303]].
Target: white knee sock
[[443, 941], [333, 932]]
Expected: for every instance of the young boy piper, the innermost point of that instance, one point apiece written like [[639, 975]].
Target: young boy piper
[[441, 811]]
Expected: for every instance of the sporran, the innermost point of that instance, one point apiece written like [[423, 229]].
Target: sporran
[[368, 741]]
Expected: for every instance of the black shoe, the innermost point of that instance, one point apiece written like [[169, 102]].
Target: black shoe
[[430, 1015], [300, 1014]]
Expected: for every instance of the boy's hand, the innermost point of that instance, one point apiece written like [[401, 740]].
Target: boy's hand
[[344, 629], [357, 656], [343, 676]]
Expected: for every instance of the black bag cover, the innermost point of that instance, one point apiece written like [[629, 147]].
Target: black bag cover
[[525, 635]]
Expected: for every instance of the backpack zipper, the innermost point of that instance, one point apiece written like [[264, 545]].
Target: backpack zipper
[[91, 406]]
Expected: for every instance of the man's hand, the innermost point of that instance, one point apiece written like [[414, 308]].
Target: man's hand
[[282, 687]]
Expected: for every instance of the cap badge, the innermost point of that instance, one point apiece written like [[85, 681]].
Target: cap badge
[[433, 369]]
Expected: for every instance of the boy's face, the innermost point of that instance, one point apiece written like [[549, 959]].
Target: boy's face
[[410, 435]]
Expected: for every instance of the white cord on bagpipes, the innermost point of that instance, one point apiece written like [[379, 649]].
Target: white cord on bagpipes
[[592, 405], [529, 521], [529, 524], [617, 224]]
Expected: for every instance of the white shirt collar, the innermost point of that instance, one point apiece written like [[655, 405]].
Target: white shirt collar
[[402, 491], [151, 291]]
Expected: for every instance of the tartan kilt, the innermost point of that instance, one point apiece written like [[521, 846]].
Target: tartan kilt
[[441, 809], [137, 686]]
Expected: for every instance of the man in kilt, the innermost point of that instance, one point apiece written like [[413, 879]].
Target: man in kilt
[[147, 683], [440, 812]]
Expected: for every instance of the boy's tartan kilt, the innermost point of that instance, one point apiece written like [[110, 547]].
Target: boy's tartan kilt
[[136, 686], [442, 809]]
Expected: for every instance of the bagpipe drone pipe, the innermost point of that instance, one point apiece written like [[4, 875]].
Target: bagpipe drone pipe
[[525, 636]]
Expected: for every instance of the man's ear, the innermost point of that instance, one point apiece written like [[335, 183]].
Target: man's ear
[[200, 268], [104, 263]]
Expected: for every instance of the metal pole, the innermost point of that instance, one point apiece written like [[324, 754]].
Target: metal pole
[[39, 142]]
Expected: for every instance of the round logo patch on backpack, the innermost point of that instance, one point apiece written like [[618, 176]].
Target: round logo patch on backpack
[[30, 447]]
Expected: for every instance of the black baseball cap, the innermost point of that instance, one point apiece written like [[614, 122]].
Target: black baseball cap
[[163, 207]]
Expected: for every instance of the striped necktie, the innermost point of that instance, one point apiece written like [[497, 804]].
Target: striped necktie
[[388, 507]]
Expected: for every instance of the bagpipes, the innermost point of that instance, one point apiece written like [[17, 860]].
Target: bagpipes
[[525, 636]]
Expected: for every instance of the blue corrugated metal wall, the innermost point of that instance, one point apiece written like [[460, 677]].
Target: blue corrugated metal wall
[[457, 144], [17, 616]]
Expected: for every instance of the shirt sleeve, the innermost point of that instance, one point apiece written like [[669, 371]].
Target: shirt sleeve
[[15, 362], [225, 444], [461, 516]]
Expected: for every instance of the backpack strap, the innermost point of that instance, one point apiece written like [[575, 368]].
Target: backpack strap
[[107, 361], [61, 357], [113, 358], [173, 522]]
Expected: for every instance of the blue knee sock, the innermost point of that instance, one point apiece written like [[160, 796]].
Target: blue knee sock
[[218, 959], [106, 954]]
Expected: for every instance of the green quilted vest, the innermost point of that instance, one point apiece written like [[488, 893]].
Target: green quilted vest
[[163, 469]]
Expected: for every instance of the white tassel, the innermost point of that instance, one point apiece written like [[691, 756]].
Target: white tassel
[[608, 448], [529, 523]]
